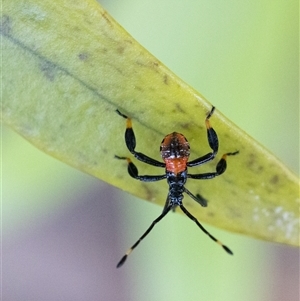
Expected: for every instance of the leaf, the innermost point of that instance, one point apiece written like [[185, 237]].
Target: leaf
[[67, 66]]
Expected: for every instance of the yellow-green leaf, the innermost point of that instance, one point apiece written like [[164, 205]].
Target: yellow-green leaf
[[67, 66]]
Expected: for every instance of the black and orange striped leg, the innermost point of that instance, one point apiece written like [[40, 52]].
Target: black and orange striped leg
[[163, 214], [134, 173], [221, 167], [188, 214], [131, 144], [213, 142]]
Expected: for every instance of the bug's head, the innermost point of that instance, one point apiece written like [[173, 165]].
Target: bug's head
[[174, 146]]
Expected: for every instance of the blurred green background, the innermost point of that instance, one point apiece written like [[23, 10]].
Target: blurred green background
[[63, 231]]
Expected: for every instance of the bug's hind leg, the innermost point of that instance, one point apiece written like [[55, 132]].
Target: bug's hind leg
[[186, 212], [162, 215], [198, 198]]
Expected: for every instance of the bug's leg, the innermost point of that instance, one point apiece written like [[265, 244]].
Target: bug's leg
[[131, 144], [167, 203], [134, 173], [198, 198], [221, 167], [204, 230], [123, 259], [212, 141]]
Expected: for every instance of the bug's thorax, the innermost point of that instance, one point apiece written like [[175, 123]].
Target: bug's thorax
[[175, 151]]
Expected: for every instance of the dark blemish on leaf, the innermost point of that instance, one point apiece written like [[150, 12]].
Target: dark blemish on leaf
[[139, 63], [83, 56], [128, 41], [149, 192], [253, 164], [138, 88], [210, 214], [185, 126], [166, 79], [120, 49], [118, 70], [274, 180], [105, 16], [105, 150], [120, 177], [251, 160], [49, 70], [155, 64], [5, 25], [179, 108], [227, 136]]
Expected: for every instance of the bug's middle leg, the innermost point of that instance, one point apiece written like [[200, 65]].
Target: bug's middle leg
[[220, 169], [134, 173]]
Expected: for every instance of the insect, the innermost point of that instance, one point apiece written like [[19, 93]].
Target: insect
[[175, 151]]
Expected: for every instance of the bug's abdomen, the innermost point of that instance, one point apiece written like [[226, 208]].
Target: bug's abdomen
[[175, 151]]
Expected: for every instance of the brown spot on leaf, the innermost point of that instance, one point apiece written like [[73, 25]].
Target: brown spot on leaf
[[103, 50], [138, 88], [155, 64], [252, 163], [185, 125], [105, 16], [166, 79], [105, 151], [179, 108], [148, 191], [121, 49], [128, 41], [210, 214], [274, 180]]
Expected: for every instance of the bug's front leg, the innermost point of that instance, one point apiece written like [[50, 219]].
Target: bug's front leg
[[213, 142], [131, 144]]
